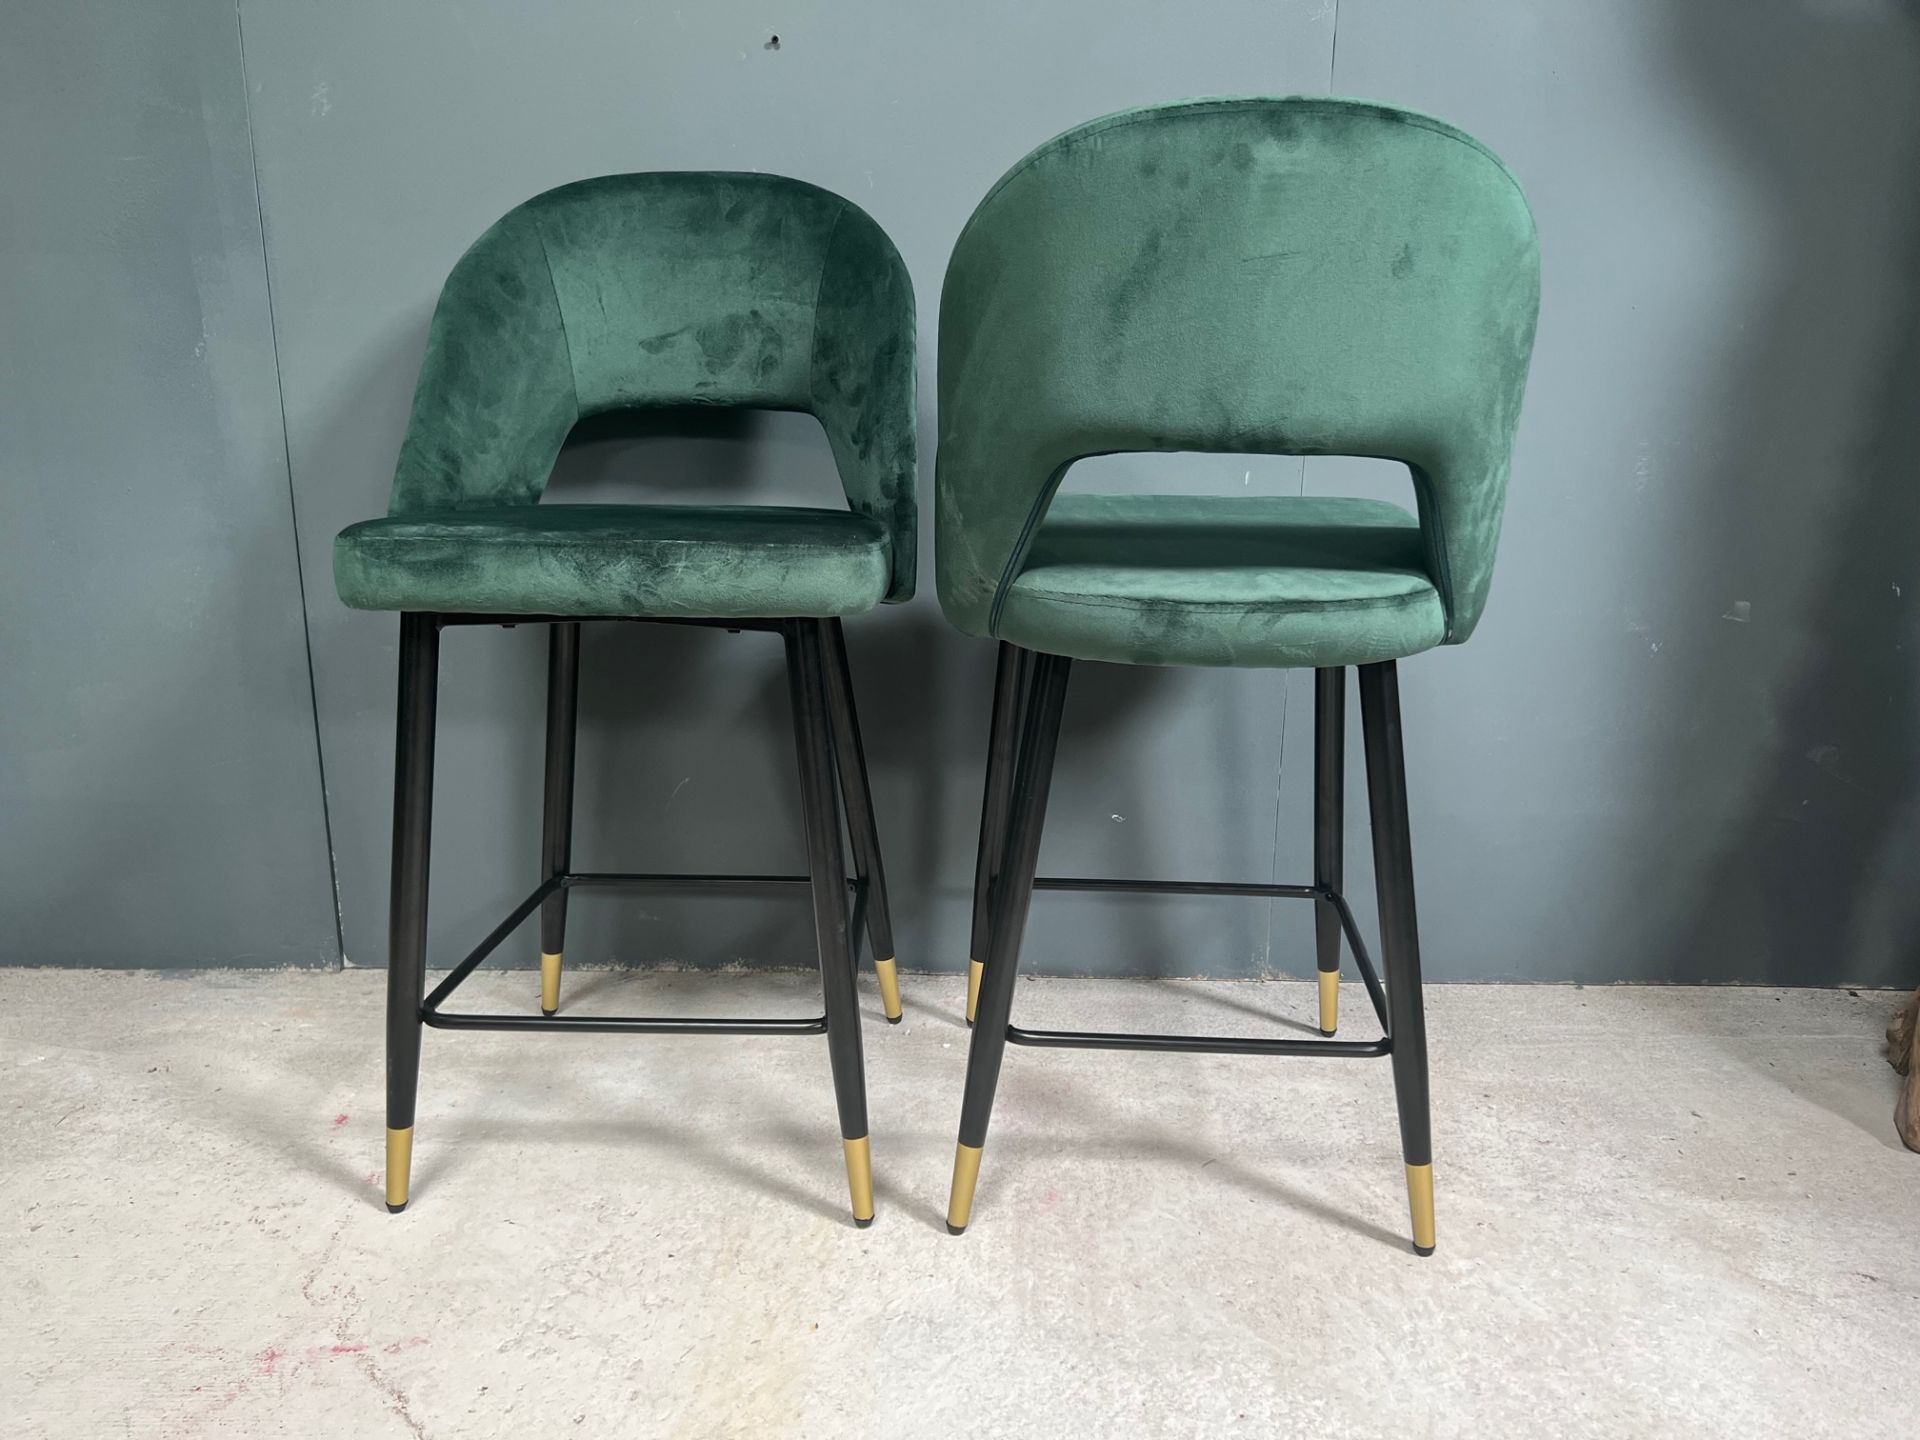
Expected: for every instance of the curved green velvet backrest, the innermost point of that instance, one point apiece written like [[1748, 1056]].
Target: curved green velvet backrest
[[674, 288], [1280, 276]]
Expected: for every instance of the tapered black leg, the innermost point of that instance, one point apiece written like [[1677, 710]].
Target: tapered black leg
[[1399, 936], [1010, 675], [850, 759], [556, 825], [1329, 829], [407, 907], [1012, 894], [813, 743]]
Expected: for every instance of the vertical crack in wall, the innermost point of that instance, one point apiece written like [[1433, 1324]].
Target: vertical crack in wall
[[1333, 47], [293, 509]]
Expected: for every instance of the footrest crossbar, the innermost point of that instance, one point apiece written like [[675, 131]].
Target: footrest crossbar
[[431, 1013], [1180, 887], [1195, 1044], [1376, 992], [628, 1024]]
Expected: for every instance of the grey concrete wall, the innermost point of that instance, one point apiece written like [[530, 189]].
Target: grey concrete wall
[[390, 136], [160, 800], [1684, 744], [1679, 747]]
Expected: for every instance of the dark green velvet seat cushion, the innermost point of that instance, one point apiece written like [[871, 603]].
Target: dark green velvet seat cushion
[[719, 562], [1204, 580]]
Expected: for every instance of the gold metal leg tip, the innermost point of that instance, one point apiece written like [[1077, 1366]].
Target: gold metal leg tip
[[966, 1174], [399, 1168], [1420, 1202], [1329, 1001], [549, 983], [889, 976], [860, 1179], [975, 969]]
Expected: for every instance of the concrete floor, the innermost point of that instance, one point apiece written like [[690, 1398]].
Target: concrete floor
[[1662, 1212]]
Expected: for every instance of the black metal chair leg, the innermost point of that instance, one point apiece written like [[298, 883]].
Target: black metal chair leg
[[556, 825], [1010, 675], [407, 910], [812, 740], [1399, 936], [1329, 830], [850, 759], [1012, 893]]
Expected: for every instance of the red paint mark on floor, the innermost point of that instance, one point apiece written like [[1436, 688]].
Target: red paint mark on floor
[[270, 1358], [339, 1120]]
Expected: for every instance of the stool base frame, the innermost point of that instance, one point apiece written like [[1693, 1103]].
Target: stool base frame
[[1029, 694], [827, 743]]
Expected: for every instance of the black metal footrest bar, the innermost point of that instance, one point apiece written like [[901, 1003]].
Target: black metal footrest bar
[[431, 1014], [1194, 1044], [1180, 887], [686, 882], [1221, 1044], [628, 1024]]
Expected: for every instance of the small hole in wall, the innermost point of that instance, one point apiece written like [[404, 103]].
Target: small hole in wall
[[773, 42]]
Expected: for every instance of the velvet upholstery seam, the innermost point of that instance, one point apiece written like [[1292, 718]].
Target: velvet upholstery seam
[[813, 355], [813, 316], [1433, 535], [1014, 567], [566, 340]]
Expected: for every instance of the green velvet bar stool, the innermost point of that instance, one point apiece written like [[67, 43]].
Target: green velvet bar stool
[[622, 293], [1254, 276]]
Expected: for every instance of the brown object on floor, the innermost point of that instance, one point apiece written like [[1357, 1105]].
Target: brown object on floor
[[1903, 1053]]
